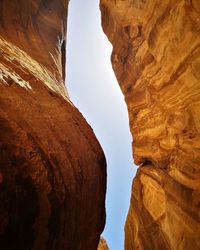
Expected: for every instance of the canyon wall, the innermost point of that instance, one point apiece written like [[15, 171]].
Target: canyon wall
[[52, 169], [156, 59]]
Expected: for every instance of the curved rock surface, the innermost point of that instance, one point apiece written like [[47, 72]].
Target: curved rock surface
[[52, 169], [156, 59]]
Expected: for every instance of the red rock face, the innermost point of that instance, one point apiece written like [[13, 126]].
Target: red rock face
[[156, 59], [52, 169]]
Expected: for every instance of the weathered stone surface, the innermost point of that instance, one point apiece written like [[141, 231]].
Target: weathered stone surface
[[52, 169], [156, 59], [102, 244]]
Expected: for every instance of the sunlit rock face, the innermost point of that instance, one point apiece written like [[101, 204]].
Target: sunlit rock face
[[52, 169], [102, 244], [156, 59]]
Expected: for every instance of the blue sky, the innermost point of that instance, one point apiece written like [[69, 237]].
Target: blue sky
[[94, 90]]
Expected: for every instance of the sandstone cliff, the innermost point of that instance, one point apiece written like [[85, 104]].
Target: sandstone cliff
[[52, 169], [156, 59]]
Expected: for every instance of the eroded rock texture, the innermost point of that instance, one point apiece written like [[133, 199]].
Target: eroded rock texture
[[156, 59], [52, 169], [102, 244]]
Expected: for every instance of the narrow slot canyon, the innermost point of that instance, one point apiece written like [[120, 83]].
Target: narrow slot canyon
[[79, 80], [94, 90]]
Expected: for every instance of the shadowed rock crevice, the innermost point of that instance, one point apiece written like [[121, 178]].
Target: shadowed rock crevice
[[63, 59]]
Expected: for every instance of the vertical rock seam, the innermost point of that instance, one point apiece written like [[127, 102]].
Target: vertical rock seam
[[156, 59], [52, 168]]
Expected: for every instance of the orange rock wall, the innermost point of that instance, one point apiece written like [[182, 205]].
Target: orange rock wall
[[52, 168], [102, 244], [156, 59]]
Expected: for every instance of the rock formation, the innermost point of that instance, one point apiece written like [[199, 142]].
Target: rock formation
[[102, 244], [156, 59], [52, 169]]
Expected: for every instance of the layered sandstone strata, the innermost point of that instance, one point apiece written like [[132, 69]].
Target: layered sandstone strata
[[52, 169], [156, 59]]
